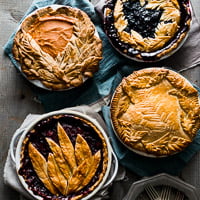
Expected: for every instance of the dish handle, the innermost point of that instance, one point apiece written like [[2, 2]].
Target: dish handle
[[14, 139], [113, 171]]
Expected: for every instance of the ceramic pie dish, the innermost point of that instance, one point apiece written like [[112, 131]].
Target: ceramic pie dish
[[57, 47], [147, 30], [64, 155], [155, 112], [178, 188]]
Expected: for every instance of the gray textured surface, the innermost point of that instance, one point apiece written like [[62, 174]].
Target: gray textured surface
[[16, 99]]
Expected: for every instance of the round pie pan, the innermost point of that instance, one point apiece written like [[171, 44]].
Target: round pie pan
[[17, 144], [134, 58], [36, 82], [150, 155]]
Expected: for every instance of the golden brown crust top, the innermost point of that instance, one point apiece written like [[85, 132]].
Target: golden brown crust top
[[156, 111], [59, 47]]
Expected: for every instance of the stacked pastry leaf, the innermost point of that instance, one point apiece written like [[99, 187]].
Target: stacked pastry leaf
[[68, 168]]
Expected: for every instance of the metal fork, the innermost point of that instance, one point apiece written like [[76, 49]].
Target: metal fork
[[152, 193], [179, 196], [166, 192]]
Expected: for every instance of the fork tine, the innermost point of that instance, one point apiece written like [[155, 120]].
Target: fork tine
[[166, 191], [151, 192], [179, 196]]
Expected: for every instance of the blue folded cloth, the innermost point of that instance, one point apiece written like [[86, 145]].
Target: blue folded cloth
[[113, 67]]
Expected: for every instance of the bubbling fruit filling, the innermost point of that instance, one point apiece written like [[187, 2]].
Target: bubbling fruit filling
[[63, 157], [147, 29]]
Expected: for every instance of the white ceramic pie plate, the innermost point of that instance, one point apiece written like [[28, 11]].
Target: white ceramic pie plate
[[163, 57], [19, 136], [38, 83]]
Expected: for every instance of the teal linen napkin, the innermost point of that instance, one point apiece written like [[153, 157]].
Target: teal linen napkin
[[145, 166]]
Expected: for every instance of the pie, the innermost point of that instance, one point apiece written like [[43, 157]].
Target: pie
[[59, 46], [155, 112], [147, 30], [63, 157]]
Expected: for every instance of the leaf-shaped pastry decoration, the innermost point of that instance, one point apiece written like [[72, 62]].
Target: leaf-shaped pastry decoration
[[158, 146], [84, 173], [94, 163], [68, 169], [131, 136], [82, 149], [61, 162], [67, 147], [56, 176], [78, 175], [178, 143], [40, 166]]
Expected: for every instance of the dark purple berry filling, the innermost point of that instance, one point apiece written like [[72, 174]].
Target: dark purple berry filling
[[145, 23], [48, 128]]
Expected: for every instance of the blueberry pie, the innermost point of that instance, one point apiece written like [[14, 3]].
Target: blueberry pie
[[59, 46], [147, 30], [155, 112], [63, 157]]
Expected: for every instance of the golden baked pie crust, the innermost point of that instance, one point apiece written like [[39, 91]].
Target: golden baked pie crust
[[58, 67], [155, 111]]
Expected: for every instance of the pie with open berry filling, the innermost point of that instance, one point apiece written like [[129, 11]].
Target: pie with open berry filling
[[59, 46], [155, 112], [63, 157], [147, 30]]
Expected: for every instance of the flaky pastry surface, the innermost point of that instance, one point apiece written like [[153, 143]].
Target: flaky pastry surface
[[156, 111]]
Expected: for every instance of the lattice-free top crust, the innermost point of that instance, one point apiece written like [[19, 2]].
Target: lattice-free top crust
[[155, 111]]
